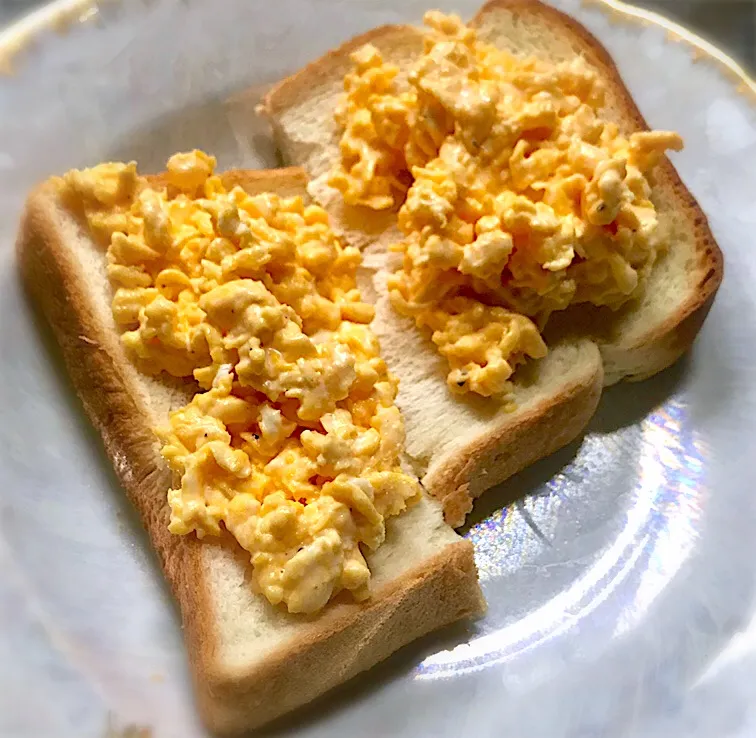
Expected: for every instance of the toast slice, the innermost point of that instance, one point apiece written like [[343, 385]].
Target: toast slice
[[251, 662], [634, 343]]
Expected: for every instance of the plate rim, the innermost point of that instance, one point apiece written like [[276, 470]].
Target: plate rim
[[29, 30], [60, 15]]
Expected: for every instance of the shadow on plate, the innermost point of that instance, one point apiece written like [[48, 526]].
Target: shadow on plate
[[529, 481], [628, 403], [621, 406]]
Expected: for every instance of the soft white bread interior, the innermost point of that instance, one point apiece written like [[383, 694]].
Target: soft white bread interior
[[251, 662], [462, 447], [459, 446]]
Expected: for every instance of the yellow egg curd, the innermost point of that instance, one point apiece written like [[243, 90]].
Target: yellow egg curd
[[516, 197]]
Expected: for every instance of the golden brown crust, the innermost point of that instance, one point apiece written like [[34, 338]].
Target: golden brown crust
[[345, 638], [660, 348], [513, 446]]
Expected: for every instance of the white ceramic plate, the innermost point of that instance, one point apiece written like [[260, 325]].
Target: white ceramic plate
[[621, 584]]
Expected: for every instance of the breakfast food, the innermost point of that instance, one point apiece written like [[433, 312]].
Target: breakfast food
[[488, 221], [507, 195], [293, 441], [138, 277]]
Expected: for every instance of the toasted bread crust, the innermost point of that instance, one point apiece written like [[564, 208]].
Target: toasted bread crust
[[343, 639]]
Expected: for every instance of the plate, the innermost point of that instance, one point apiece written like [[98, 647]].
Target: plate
[[619, 573]]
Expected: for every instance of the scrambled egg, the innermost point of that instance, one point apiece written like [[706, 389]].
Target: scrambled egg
[[516, 198], [293, 446]]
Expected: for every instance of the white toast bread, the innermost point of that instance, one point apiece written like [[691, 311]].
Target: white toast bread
[[251, 662], [459, 447]]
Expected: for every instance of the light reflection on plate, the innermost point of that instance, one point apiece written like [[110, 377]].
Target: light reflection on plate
[[661, 514], [597, 582]]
